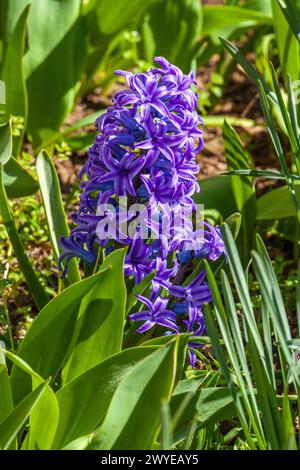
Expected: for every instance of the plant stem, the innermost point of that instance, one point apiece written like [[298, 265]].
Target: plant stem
[[34, 285]]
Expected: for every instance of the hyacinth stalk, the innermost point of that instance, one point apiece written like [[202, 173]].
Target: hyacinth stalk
[[146, 152]]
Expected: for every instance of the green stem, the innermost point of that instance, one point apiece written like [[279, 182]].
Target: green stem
[[37, 291]]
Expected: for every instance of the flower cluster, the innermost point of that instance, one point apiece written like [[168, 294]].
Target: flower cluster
[[146, 151]]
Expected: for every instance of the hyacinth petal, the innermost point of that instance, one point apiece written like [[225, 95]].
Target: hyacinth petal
[[145, 301], [143, 315], [145, 327], [178, 291], [146, 150], [168, 324]]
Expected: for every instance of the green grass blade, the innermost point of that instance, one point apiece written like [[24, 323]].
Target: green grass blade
[[55, 214], [34, 285]]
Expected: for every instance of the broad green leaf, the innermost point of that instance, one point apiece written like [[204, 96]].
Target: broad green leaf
[[12, 74], [207, 406], [79, 444], [277, 204], [119, 14], [55, 214], [212, 190], [80, 142], [288, 46], [46, 343], [66, 133], [259, 5], [172, 30], [224, 20], [99, 329], [17, 181], [215, 405], [135, 425], [291, 11], [5, 143], [181, 353], [44, 417], [14, 422], [83, 402], [57, 48]]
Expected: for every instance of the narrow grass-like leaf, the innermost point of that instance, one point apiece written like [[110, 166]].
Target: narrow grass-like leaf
[[278, 147], [6, 402], [242, 187], [55, 214], [33, 283], [293, 137], [272, 174]]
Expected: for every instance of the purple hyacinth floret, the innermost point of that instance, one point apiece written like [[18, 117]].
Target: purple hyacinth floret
[[146, 151]]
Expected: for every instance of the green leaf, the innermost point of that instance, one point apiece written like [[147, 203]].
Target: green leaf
[[134, 426], [172, 30], [218, 121], [119, 14], [66, 133], [215, 405], [234, 223], [268, 174], [207, 406], [248, 68], [212, 190], [277, 204], [99, 329], [55, 214], [34, 285], [291, 11], [237, 159], [182, 345], [14, 422], [12, 73], [17, 181], [242, 187], [288, 45], [44, 417], [57, 48], [5, 143], [224, 20], [6, 402], [138, 290], [83, 402], [46, 343], [79, 444]]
